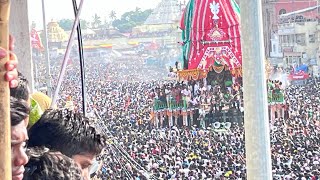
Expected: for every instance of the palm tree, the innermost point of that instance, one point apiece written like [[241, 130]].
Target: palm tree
[[96, 21], [113, 15], [138, 9]]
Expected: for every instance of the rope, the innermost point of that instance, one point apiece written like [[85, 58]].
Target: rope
[[66, 56], [81, 57], [124, 153], [117, 159]]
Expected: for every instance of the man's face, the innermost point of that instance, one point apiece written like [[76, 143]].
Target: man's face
[[19, 158], [84, 161]]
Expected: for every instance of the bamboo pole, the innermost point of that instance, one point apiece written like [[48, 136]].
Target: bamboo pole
[[46, 51], [5, 125]]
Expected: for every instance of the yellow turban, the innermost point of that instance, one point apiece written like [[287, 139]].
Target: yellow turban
[[43, 100], [39, 104], [35, 113]]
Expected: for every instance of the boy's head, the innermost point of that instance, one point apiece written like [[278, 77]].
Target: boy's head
[[19, 112], [50, 165], [22, 91], [70, 133]]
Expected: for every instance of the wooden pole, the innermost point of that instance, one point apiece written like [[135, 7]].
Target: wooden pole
[[5, 123]]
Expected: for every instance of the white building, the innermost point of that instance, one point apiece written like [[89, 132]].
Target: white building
[[276, 54], [298, 42]]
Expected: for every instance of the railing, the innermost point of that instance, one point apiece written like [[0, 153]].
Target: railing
[[276, 97], [176, 105], [172, 104], [159, 105]]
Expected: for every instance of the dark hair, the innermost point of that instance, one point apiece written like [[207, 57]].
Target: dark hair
[[48, 165], [19, 110], [67, 132], [21, 91]]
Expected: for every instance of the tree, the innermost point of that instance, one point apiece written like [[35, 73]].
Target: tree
[[131, 19], [96, 23], [138, 9], [112, 15], [106, 24], [84, 24], [66, 24]]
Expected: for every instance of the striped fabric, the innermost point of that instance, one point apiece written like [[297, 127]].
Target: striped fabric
[[186, 28], [211, 34]]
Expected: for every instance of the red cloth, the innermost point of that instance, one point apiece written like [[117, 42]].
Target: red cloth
[[204, 28], [35, 40]]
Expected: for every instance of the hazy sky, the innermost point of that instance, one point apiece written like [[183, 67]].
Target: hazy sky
[[59, 9]]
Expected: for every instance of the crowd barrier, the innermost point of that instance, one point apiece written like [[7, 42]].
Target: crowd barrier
[[232, 115], [276, 97], [171, 104]]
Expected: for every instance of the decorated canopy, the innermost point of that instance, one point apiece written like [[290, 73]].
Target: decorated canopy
[[299, 73], [211, 38]]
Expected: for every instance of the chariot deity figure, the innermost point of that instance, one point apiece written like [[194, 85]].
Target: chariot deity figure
[[215, 9]]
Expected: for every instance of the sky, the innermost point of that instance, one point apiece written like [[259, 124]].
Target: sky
[[63, 9]]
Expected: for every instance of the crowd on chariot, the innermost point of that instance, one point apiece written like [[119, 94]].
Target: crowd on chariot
[[195, 93]]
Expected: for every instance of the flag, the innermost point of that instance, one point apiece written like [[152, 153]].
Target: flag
[[36, 40]]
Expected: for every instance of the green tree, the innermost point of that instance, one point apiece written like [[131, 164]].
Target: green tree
[[131, 19], [96, 23], [84, 24], [112, 15], [138, 9], [106, 24], [66, 24]]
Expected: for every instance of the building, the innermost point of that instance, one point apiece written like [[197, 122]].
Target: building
[[56, 35], [295, 36], [161, 26], [164, 18], [288, 6], [298, 42], [269, 22], [276, 54]]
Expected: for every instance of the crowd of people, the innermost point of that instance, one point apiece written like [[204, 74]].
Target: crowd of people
[[135, 150], [195, 153], [117, 139], [62, 143], [195, 93]]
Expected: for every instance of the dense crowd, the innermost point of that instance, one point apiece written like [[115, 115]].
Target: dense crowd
[[136, 150], [195, 93], [214, 154]]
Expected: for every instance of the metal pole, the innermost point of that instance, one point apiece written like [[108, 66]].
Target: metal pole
[[82, 65], [256, 122], [66, 56], [36, 77], [46, 52]]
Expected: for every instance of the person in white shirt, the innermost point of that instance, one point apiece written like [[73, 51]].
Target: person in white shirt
[[168, 93], [196, 88], [185, 94]]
